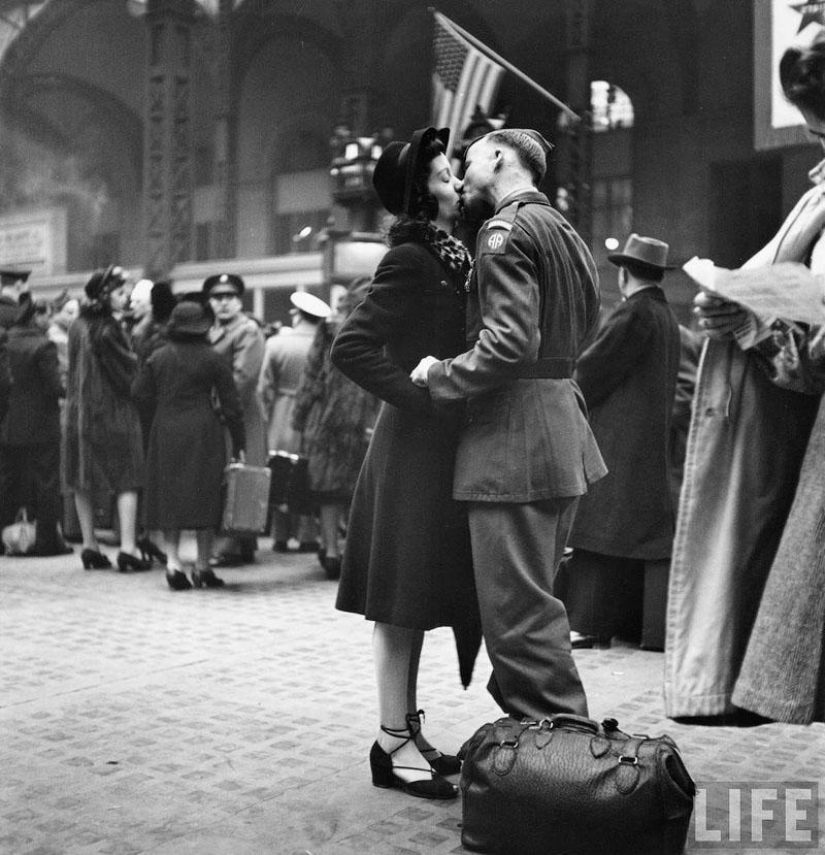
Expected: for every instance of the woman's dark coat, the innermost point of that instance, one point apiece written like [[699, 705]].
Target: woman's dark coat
[[407, 560], [103, 448], [187, 453]]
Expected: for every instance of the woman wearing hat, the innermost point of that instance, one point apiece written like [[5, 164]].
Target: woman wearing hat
[[103, 452], [186, 455], [407, 564]]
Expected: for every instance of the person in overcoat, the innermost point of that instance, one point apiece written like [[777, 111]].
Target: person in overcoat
[[102, 443], [407, 563], [186, 455], [746, 549], [622, 534], [240, 341], [285, 357], [30, 432], [334, 418], [526, 452]]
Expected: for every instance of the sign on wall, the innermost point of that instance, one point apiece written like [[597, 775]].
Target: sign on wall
[[777, 25], [35, 240]]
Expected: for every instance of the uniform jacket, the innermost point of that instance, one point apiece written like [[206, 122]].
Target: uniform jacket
[[241, 343], [628, 378], [745, 447], [34, 415], [533, 295]]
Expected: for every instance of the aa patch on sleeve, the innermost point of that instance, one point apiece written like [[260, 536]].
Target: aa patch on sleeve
[[495, 236]]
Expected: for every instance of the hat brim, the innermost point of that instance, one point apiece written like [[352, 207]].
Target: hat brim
[[418, 140], [619, 258]]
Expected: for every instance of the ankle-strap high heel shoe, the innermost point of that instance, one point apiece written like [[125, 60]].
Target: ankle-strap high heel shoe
[[176, 580], [206, 578], [149, 551], [444, 764], [94, 560], [384, 771], [127, 562]]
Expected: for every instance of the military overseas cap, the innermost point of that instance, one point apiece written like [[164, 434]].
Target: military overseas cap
[[223, 283], [310, 304], [9, 276], [643, 250]]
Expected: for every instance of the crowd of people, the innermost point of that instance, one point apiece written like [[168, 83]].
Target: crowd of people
[[517, 434], [122, 409]]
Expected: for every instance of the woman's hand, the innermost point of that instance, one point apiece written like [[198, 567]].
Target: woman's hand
[[419, 374], [241, 458], [718, 317]]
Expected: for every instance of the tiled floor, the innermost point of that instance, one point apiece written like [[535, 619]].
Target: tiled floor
[[238, 721]]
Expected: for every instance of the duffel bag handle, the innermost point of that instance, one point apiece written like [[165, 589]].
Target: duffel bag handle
[[573, 722]]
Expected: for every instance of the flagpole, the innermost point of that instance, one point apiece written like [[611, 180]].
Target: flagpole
[[509, 66]]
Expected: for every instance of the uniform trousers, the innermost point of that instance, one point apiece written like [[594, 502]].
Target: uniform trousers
[[517, 548]]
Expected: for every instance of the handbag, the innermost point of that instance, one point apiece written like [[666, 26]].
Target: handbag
[[19, 537], [568, 785], [289, 490]]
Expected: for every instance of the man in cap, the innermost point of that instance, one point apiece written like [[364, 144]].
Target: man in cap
[[283, 366], [239, 339], [14, 290], [526, 453], [623, 531]]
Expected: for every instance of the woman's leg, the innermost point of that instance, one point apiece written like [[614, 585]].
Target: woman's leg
[[205, 539], [394, 648], [330, 515], [127, 504], [85, 516], [171, 543]]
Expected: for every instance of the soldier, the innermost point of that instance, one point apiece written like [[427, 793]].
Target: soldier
[[526, 452]]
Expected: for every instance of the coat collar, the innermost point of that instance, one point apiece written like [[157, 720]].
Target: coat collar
[[527, 195], [220, 331]]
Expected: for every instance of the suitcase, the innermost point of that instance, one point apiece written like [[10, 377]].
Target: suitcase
[[289, 491], [247, 499]]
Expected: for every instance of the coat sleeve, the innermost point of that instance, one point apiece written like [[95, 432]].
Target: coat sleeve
[[609, 360], [144, 388], [48, 367], [247, 357], [509, 304], [117, 360], [230, 405], [5, 376], [382, 317], [311, 387]]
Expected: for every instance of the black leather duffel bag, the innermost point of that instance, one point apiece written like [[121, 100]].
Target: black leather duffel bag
[[570, 786]]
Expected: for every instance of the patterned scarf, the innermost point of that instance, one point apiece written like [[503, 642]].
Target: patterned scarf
[[450, 250]]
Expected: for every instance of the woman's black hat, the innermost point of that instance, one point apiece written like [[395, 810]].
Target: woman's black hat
[[104, 281], [395, 169], [189, 318]]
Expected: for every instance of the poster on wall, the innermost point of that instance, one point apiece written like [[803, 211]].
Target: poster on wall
[[777, 25]]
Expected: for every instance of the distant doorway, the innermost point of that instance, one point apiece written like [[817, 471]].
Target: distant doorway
[[745, 208]]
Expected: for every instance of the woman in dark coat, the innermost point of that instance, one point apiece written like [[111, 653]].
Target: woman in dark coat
[[103, 449], [334, 418], [186, 456], [407, 563]]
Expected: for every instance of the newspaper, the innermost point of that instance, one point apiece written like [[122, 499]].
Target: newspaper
[[786, 291]]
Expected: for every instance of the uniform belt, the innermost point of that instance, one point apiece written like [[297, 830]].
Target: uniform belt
[[549, 368]]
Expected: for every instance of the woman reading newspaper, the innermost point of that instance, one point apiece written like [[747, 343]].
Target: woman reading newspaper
[[747, 588]]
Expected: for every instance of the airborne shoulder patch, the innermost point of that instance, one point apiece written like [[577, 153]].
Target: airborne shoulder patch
[[495, 236]]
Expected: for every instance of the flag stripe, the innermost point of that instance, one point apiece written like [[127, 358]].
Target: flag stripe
[[463, 79]]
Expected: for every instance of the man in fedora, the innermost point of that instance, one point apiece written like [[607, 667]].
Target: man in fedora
[[526, 452], [623, 530]]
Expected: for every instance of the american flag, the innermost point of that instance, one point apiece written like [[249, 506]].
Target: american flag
[[463, 79]]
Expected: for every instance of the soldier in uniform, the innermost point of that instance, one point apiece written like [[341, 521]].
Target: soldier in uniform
[[526, 452]]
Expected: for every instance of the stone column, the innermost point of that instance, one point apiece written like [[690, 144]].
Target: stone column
[[225, 138], [168, 168], [576, 155]]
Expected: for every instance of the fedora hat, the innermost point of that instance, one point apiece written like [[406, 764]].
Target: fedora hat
[[189, 318], [227, 281], [395, 169], [643, 250], [11, 275]]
